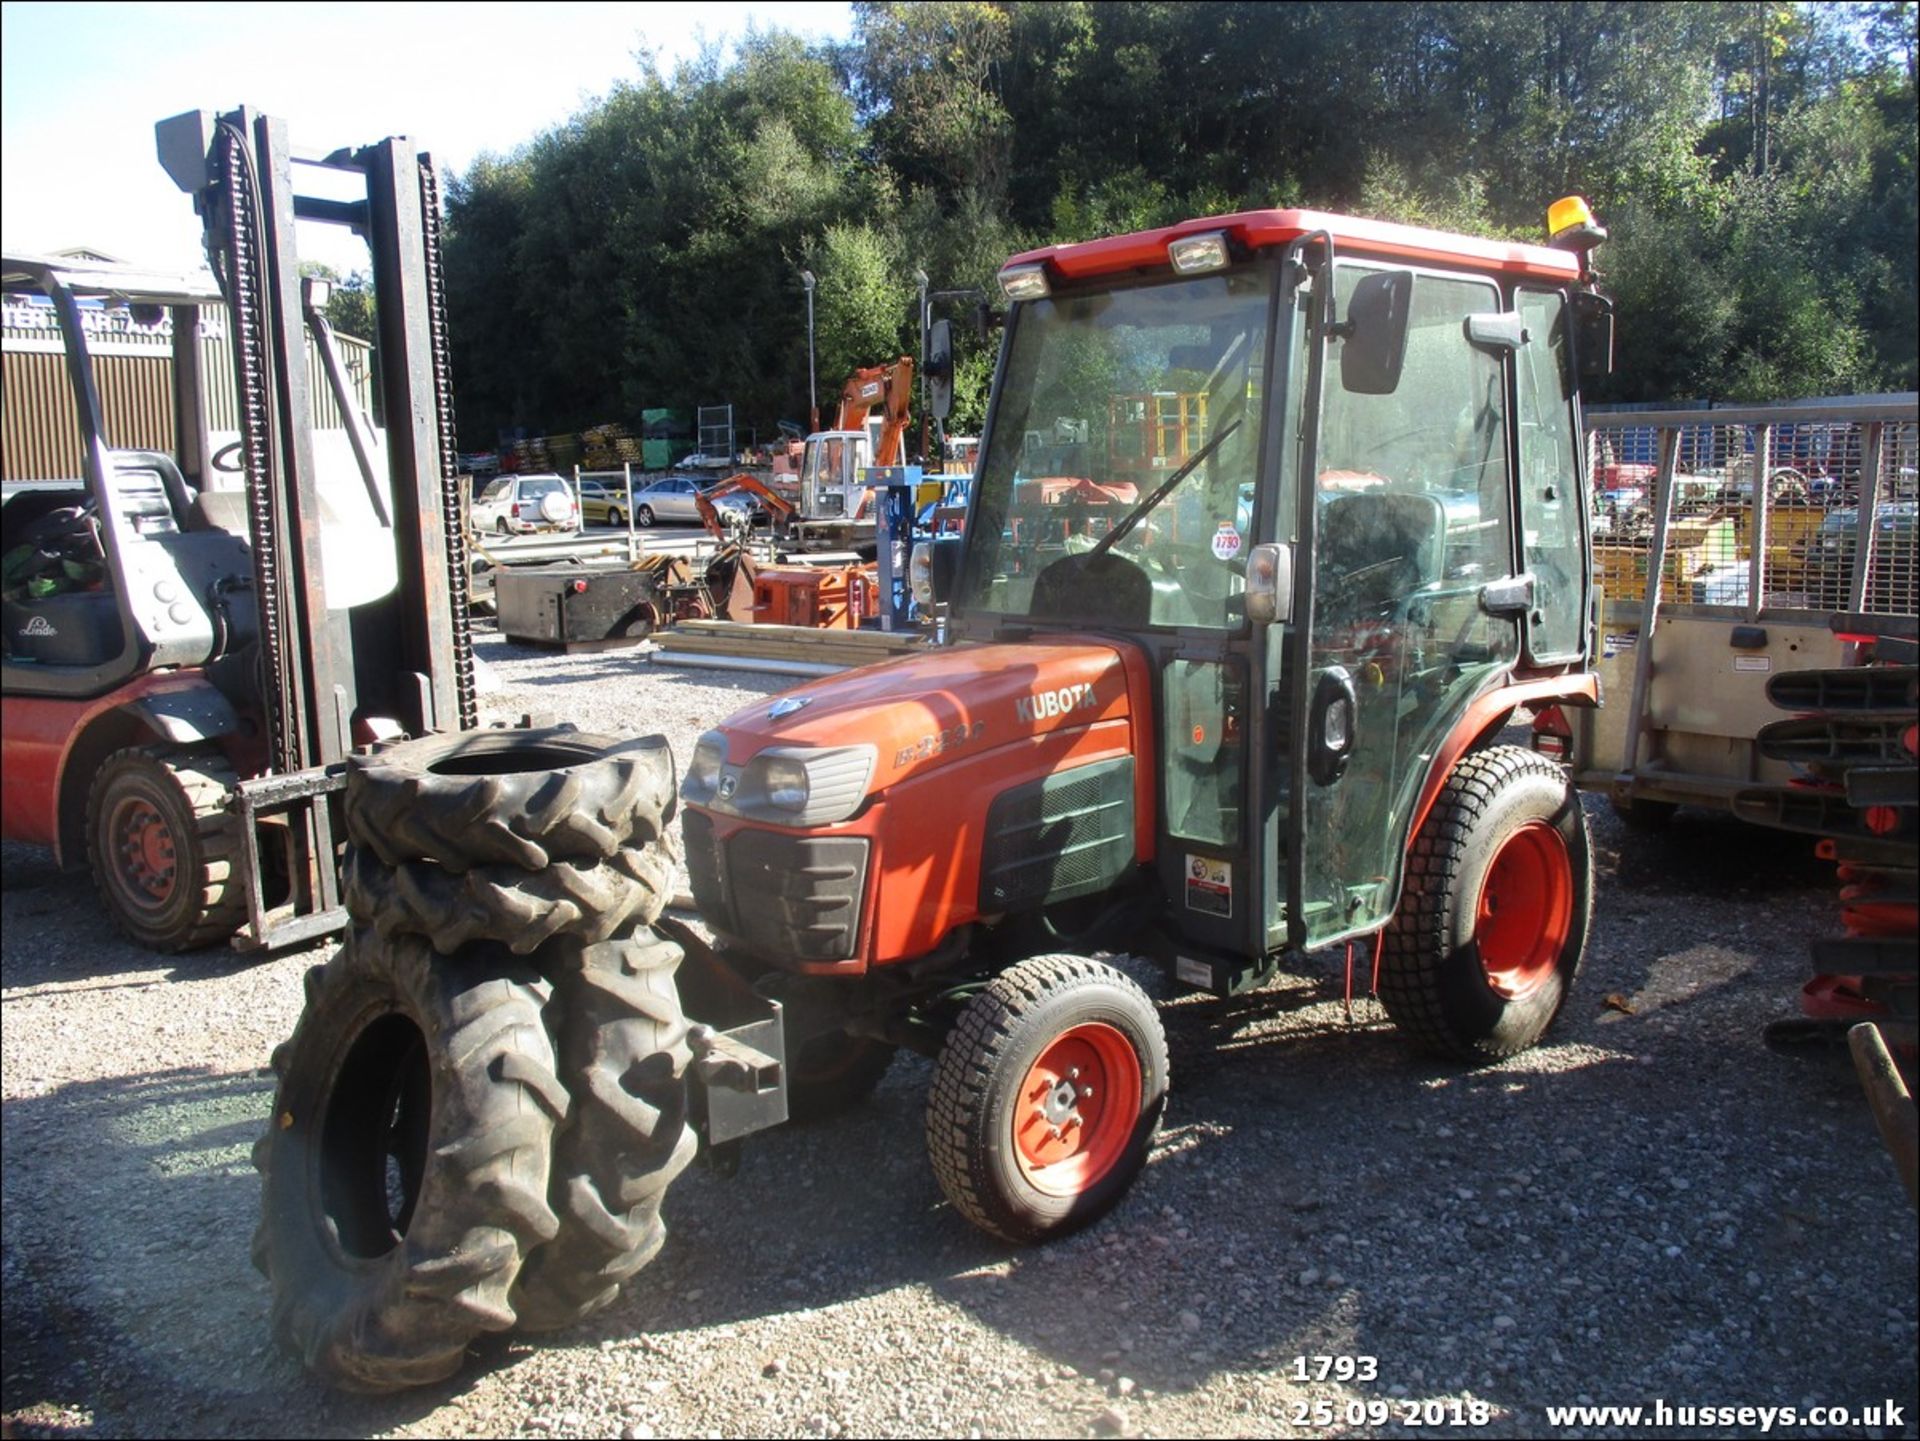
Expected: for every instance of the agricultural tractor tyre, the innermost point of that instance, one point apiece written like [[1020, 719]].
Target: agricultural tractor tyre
[[510, 797], [405, 1167], [1493, 917], [522, 910], [623, 1057], [1046, 1096], [165, 852]]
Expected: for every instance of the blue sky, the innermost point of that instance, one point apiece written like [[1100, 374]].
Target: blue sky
[[84, 84]]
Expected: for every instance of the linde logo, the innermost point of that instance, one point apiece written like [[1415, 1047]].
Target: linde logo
[[38, 625], [1046, 704]]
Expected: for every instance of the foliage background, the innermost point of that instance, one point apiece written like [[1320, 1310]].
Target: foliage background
[[1755, 162]]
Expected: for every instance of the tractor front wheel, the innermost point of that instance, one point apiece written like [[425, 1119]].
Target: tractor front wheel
[[1493, 920], [1046, 1097]]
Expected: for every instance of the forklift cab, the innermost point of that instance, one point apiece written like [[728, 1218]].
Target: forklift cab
[[1372, 536]]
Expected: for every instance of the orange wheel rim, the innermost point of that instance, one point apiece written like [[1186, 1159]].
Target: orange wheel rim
[[144, 852], [1076, 1110], [1525, 911]]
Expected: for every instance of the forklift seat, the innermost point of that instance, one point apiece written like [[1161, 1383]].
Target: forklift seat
[[1378, 549]]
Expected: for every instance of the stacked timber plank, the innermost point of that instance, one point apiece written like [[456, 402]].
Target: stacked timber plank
[[797, 646]]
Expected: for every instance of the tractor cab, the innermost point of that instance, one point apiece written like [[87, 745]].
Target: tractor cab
[[1352, 518]]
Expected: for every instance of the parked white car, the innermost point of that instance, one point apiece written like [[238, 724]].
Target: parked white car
[[521, 504]]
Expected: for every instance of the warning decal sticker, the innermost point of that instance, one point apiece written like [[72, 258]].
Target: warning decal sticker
[[1209, 886]]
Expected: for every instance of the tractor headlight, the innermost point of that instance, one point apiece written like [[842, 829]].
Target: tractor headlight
[[703, 772], [784, 785], [785, 782]]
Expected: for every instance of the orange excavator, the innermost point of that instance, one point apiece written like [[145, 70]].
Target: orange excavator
[[889, 387]]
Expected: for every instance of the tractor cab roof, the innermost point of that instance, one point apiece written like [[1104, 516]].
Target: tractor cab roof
[[1261, 229]]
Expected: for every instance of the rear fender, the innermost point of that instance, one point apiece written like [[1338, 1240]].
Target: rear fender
[[1484, 718]]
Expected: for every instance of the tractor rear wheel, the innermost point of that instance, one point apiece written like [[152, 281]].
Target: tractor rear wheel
[[1046, 1097], [165, 853], [1493, 919], [404, 1170]]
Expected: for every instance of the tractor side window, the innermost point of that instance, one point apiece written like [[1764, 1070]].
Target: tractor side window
[[1551, 506], [1441, 433]]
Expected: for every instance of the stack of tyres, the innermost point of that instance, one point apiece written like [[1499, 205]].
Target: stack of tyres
[[484, 1100]]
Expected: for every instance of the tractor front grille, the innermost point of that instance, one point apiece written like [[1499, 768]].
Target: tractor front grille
[[780, 896], [1068, 834]]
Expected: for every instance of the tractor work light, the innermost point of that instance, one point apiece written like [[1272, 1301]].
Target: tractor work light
[[1571, 226], [1025, 282], [1196, 254]]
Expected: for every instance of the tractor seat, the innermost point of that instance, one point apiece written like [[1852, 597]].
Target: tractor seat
[[1378, 549]]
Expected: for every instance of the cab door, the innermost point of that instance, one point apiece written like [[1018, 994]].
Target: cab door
[[1397, 594]]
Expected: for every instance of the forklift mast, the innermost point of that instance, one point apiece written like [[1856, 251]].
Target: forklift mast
[[403, 662]]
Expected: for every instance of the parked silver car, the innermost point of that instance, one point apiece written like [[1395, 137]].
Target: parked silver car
[[672, 498]]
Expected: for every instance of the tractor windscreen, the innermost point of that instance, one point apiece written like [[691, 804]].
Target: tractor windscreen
[[1106, 400]]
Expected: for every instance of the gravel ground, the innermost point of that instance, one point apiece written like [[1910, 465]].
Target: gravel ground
[[1652, 1206]]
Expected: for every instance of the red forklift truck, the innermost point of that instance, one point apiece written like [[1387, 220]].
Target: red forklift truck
[[195, 639]]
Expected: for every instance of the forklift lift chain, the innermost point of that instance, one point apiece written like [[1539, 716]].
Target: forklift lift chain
[[523, 910], [405, 1166], [1046, 1097], [518, 798], [624, 1058], [163, 849], [1493, 920]]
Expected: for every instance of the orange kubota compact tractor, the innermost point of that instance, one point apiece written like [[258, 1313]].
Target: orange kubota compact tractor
[[1237, 704]]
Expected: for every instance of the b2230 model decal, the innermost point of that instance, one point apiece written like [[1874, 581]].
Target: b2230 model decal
[[949, 739]]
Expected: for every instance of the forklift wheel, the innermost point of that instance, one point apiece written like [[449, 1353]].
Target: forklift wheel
[[1493, 920], [404, 1170], [165, 853], [624, 1056], [1046, 1097]]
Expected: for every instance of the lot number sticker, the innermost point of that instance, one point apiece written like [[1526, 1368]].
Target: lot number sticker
[[1226, 541]]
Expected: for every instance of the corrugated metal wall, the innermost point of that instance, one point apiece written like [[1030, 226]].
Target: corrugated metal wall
[[41, 432]]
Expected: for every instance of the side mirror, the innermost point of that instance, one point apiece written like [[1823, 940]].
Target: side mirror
[[1593, 334], [940, 369], [1375, 332]]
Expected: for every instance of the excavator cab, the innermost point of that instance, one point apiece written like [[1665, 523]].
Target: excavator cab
[[832, 475]]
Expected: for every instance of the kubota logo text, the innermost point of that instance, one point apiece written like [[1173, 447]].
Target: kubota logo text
[[1046, 704]]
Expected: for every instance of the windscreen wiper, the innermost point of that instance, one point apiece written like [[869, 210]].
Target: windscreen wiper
[[1160, 493]]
